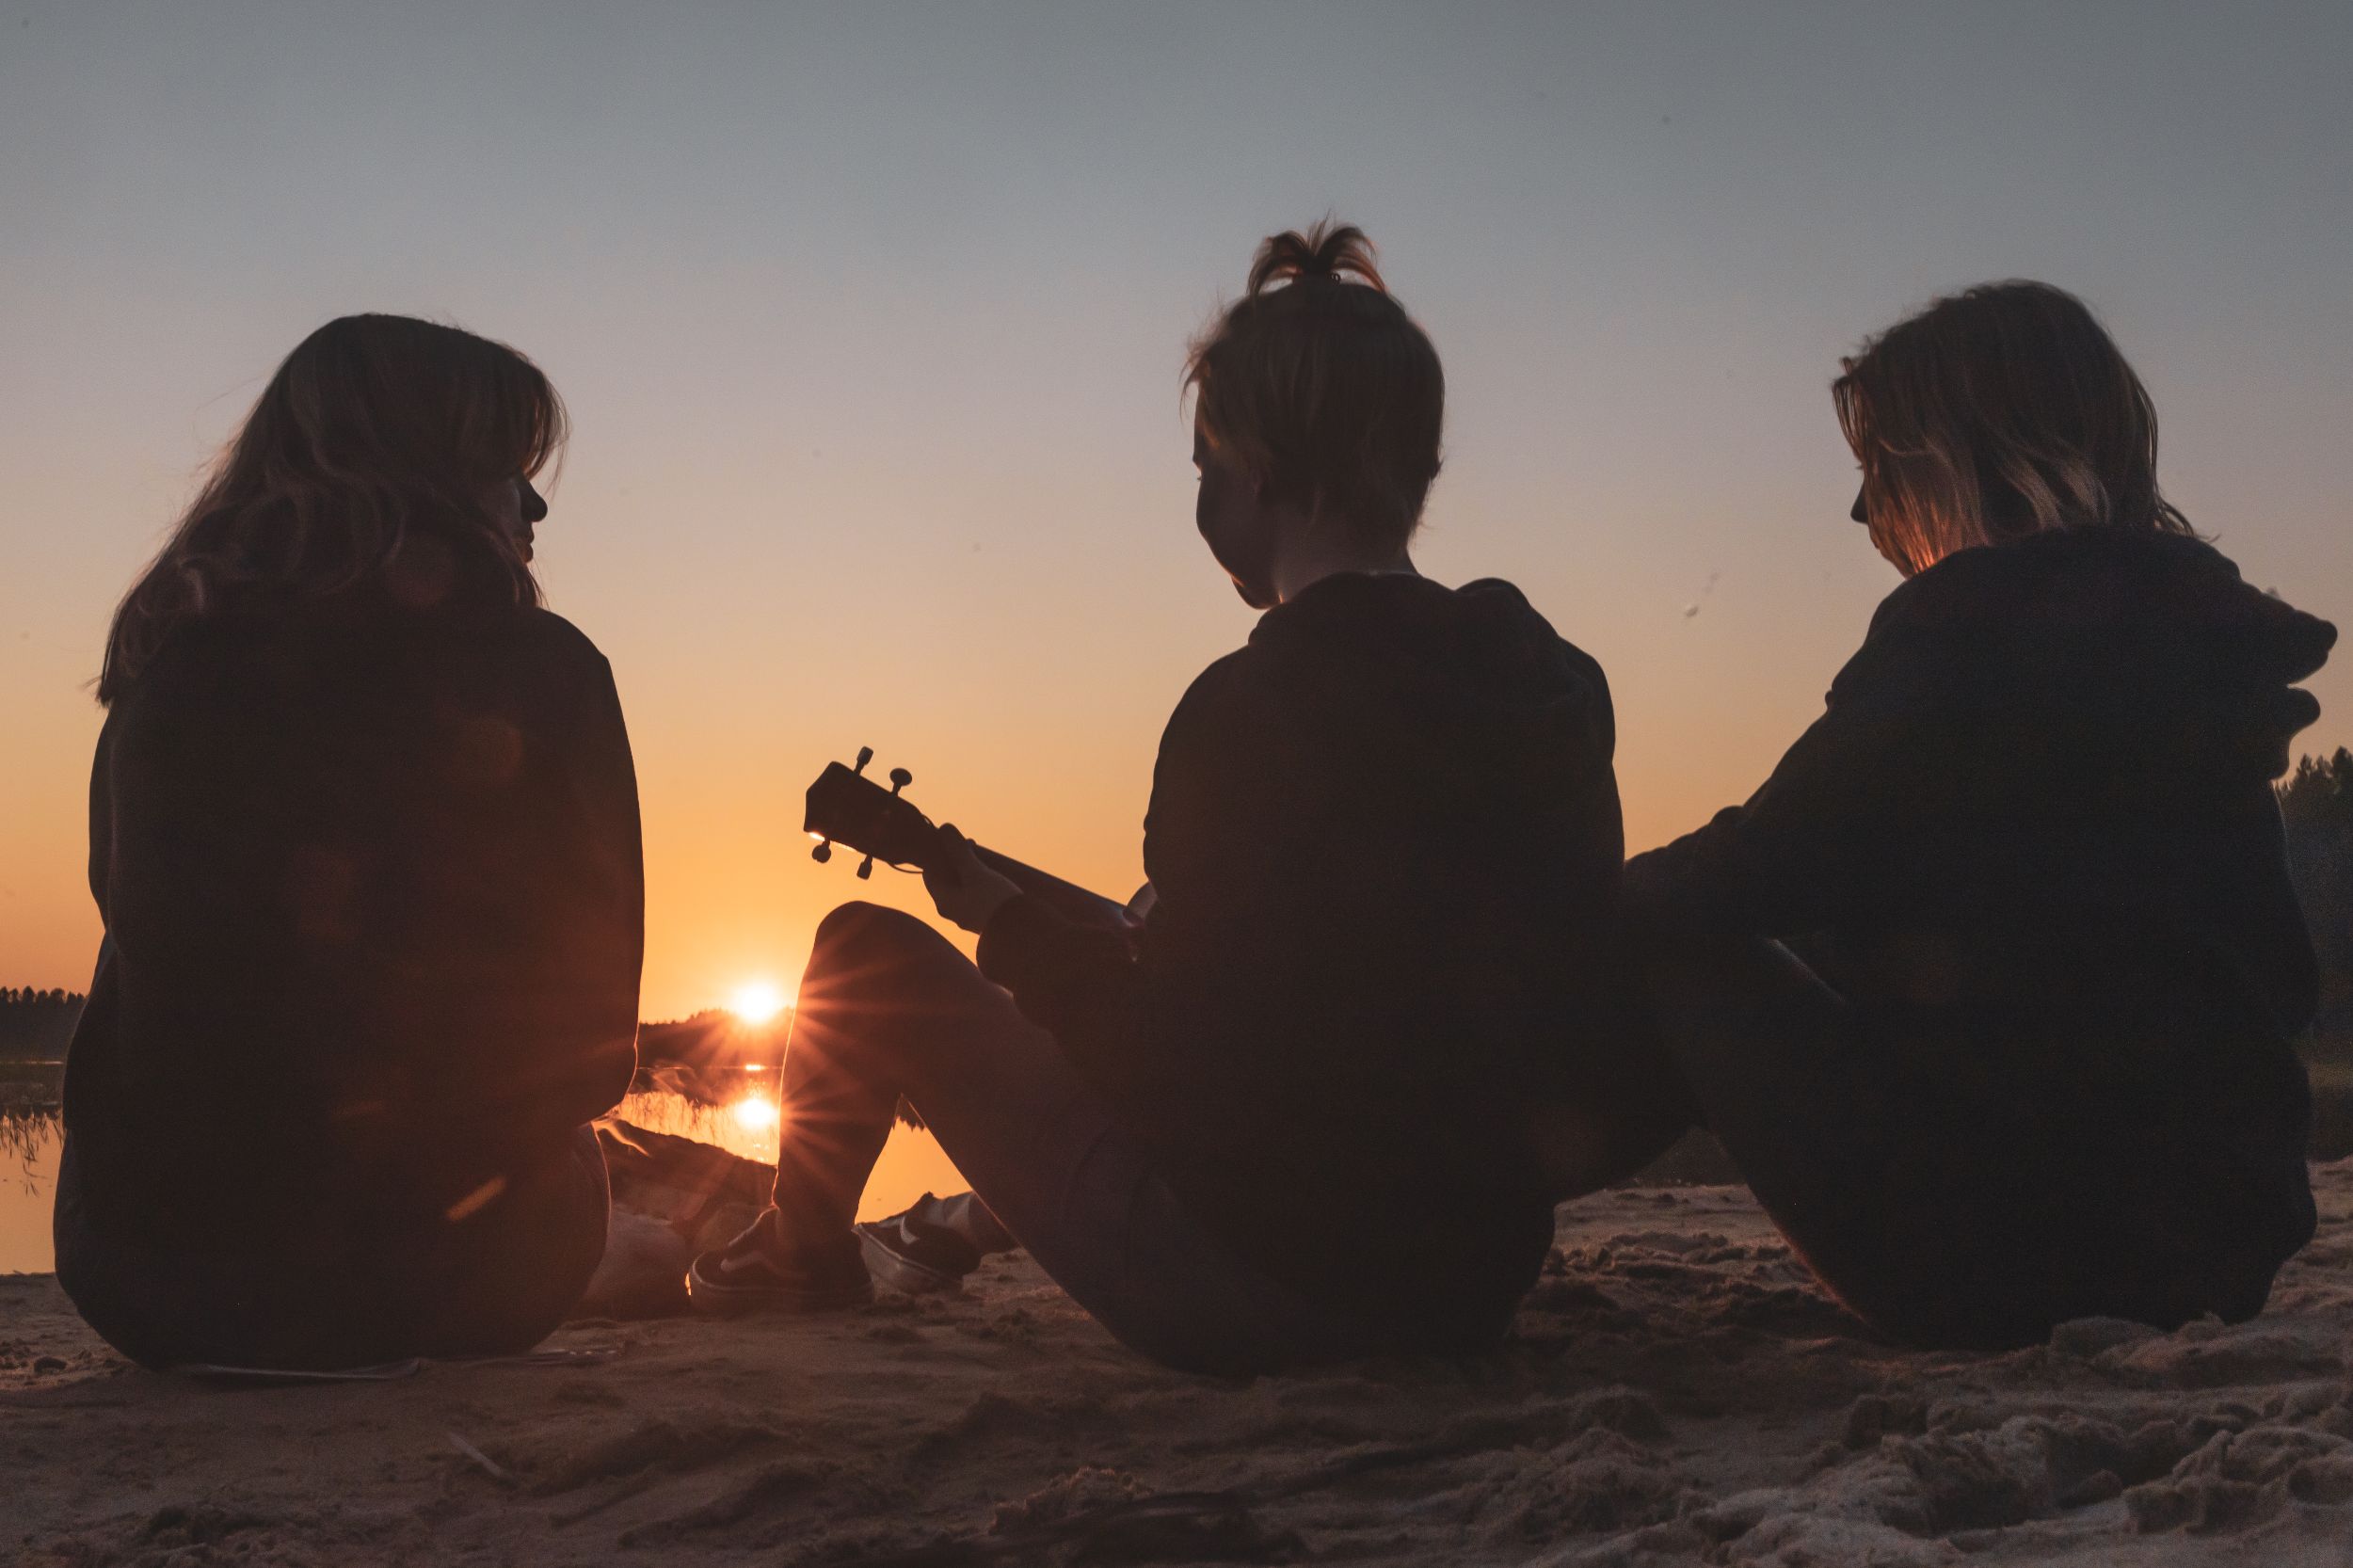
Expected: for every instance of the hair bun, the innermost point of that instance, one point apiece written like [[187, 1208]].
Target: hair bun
[[1327, 253]]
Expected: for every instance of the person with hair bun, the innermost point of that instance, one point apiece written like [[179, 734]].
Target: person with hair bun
[[2035, 1062], [1320, 1100]]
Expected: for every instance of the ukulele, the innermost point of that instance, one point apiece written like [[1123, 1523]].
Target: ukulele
[[846, 808]]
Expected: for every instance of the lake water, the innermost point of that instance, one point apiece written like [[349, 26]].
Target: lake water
[[739, 1118]]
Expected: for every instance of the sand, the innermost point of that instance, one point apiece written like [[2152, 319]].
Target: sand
[[1677, 1393]]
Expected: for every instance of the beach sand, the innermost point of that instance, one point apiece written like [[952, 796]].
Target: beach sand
[[1676, 1393]]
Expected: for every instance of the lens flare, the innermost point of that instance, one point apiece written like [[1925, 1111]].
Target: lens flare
[[754, 1114], [755, 1001]]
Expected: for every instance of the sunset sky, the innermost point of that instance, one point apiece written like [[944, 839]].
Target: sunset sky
[[871, 319]]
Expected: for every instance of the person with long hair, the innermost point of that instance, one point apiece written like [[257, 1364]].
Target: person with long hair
[[1320, 1101], [1989, 989], [364, 836]]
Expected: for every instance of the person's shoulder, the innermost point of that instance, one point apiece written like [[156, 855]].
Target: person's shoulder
[[531, 643], [1508, 595], [1997, 578], [547, 633], [1225, 679], [547, 667]]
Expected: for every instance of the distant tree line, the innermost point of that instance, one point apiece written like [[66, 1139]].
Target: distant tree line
[[36, 1025], [712, 1038], [2316, 806]]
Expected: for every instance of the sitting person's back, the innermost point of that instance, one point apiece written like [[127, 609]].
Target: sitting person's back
[[1372, 1026], [2041, 1065], [1385, 844], [368, 861]]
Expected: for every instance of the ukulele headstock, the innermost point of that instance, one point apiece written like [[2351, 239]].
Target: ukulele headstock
[[845, 807]]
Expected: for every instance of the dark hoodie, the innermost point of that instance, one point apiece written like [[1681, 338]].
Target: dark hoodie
[[2033, 842], [371, 887], [2045, 778], [1385, 844]]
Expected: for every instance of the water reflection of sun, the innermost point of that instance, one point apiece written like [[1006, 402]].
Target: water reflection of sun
[[755, 1113]]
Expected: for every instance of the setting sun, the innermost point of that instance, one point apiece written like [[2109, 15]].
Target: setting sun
[[755, 1001]]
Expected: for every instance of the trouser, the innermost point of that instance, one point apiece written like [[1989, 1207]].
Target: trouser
[[1966, 1185], [888, 1008]]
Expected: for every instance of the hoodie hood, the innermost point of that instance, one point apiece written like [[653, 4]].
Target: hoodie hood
[[2147, 640], [1468, 693]]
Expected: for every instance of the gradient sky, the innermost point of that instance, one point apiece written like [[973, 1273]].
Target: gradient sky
[[869, 320]]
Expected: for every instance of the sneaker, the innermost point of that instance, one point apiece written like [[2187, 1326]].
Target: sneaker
[[916, 1255], [755, 1272]]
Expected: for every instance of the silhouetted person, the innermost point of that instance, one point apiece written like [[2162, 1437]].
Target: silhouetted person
[[2037, 1063], [364, 830], [1320, 1101]]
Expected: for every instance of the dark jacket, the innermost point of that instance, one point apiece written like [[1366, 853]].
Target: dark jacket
[[2032, 843], [2042, 787], [373, 904], [1385, 842]]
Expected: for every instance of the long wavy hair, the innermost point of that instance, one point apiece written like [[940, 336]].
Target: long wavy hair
[[372, 457], [1996, 412], [1323, 386]]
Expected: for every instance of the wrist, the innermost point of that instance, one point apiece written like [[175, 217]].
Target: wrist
[[988, 901]]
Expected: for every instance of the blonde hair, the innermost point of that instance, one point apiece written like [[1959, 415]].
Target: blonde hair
[[1997, 412], [1323, 388]]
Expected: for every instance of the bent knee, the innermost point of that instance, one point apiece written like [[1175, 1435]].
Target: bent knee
[[862, 950], [859, 923]]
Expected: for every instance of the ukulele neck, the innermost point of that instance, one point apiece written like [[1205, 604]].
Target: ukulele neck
[[1066, 899]]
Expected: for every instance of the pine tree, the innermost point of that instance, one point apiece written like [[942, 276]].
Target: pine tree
[[2316, 807]]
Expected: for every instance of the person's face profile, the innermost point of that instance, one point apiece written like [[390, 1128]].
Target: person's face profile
[[1232, 522], [517, 507]]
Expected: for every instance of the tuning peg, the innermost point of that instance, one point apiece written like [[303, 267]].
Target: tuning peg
[[899, 780], [866, 868], [865, 754], [823, 852]]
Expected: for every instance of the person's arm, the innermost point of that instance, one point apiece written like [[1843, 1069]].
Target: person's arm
[[575, 1051], [1816, 842], [606, 941], [1068, 899], [102, 820], [1082, 980]]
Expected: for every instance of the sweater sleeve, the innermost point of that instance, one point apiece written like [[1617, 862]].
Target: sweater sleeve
[[609, 942], [1086, 983], [1810, 847], [571, 1050], [1073, 981]]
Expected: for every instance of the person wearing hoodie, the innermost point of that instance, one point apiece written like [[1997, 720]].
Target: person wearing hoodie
[[2035, 1063], [363, 832], [1316, 1104]]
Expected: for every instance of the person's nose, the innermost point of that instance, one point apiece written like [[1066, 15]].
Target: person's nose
[[535, 505]]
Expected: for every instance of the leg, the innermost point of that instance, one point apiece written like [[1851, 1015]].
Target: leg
[[1809, 1113], [1765, 1049], [1971, 1181], [500, 1282], [503, 1279], [890, 1008]]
